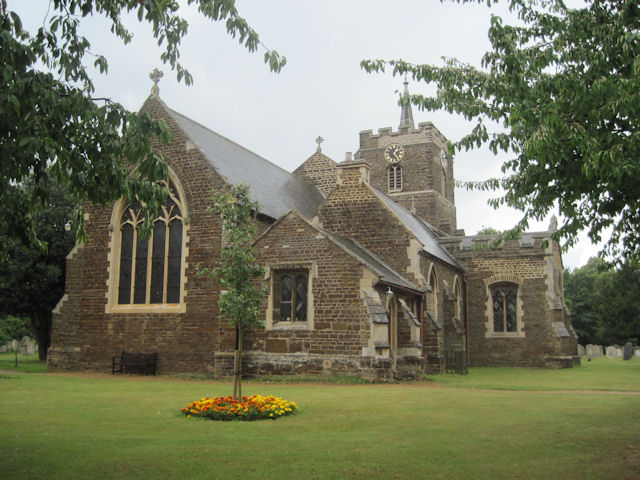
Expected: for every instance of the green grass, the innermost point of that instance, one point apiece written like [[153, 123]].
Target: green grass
[[26, 363], [102, 426], [598, 374]]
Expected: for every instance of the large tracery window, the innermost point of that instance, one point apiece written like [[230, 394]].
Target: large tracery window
[[150, 268], [395, 178], [504, 298]]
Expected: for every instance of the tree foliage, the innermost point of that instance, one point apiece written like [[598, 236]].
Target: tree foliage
[[488, 231], [48, 117], [236, 271], [604, 302], [561, 89], [32, 279], [13, 328]]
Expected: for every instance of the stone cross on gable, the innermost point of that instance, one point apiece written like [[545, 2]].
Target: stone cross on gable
[[319, 140], [156, 75]]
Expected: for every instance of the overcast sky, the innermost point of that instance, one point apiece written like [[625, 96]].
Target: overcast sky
[[321, 91]]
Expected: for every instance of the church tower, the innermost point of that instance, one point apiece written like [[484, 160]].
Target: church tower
[[412, 167]]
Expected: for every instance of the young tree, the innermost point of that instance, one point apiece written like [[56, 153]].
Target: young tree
[[48, 117], [32, 279], [563, 88], [237, 273]]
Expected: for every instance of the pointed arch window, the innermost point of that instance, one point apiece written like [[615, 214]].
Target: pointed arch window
[[504, 297], [395, 178], [432, 299], [457, 293], [150, 269]]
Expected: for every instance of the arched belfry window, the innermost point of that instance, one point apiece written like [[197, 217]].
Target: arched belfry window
[[504, 297], [395, 178], [150, 269]]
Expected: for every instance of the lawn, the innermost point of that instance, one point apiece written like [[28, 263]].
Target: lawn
[[488, 425], [26, 363]]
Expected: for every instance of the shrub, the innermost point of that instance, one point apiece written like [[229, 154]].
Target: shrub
[[255, 407]]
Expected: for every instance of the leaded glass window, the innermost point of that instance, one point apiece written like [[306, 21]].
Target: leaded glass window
[[291, 296], [151, 268], [505, 308]]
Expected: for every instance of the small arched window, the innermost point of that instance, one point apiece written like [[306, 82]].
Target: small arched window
[[150, 269], [395, 178], [504, 300]]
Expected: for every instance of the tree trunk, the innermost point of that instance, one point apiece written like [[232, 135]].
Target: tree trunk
[[235, 374], [240, 364], [42, 325], [237, 366]]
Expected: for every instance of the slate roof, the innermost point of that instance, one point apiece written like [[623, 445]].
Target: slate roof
[[371, 261], [384, 272], [277, 190], [420, 229]]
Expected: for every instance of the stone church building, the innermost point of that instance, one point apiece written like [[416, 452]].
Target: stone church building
[[367, 270]]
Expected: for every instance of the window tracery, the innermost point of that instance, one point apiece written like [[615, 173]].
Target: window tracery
[[150, 269]]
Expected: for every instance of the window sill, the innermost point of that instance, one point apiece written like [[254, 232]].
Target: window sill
[[504, 335], [290, 326], [160, 308]]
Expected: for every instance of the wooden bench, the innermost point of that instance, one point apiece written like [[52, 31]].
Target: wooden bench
[[140, 363]]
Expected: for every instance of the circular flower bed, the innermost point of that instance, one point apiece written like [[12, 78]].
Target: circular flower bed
[[255, 407]]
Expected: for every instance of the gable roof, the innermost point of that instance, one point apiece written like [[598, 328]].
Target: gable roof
[[420, 229], [277, 190], [384, 272]]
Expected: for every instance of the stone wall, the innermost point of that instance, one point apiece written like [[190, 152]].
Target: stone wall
[[355, 211], [423, 174], [319, 170], [544, 336], [85, 337], [338, 328]]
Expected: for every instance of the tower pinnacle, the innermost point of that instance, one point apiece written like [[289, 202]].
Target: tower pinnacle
[[406, 116]]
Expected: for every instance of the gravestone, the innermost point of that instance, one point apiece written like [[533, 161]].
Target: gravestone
[[636, 352], [27, 346], [627, 351], [581, 351], [594, 351], [4, 348], [613, 351]]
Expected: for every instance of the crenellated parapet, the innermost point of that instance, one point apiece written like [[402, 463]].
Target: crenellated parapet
[[425, 133]]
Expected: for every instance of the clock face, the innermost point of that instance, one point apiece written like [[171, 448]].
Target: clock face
[[394, 152], [443, 158]]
